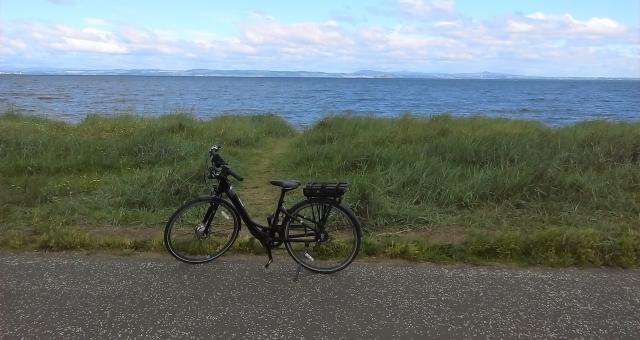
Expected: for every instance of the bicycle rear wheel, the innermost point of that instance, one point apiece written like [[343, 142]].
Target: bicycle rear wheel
[[322, 235], [201, 230]]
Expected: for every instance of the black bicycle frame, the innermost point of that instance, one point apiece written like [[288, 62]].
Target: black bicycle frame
[[264, 234]]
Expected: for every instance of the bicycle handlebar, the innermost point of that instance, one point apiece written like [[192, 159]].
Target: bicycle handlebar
[[232, 173], [219, 162]]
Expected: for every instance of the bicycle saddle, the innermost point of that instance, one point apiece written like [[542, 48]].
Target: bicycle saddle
[[286, 184]]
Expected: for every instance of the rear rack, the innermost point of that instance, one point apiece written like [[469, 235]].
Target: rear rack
[[325, 189]]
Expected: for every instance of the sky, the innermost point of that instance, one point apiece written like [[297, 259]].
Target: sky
[[542, 38]]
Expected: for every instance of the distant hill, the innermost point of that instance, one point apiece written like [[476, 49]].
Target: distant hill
[[282, 74]]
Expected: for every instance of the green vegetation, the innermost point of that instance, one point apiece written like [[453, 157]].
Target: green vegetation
[[440, 189]]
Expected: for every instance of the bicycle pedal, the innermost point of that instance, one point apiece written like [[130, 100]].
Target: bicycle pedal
[[309, 257]]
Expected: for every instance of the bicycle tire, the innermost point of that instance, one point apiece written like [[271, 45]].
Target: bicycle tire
[[342, 243], [211, 247]]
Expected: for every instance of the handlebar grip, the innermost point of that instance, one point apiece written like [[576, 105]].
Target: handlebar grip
[[233, 173]]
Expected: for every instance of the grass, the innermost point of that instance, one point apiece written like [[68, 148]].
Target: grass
[[404, 170], [551, 247], [440, 189], [122, 171]]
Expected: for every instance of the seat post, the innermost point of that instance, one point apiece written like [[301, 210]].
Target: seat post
[[273, 219], [281, 200]]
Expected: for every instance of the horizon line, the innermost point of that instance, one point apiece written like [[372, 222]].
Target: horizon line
[[363, 73]]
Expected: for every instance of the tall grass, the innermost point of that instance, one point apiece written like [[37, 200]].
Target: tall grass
[[492, 189], [114, 171], [404, 169]]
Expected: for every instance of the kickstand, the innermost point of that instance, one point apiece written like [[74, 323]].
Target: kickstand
[[295, 279], [266, 266], [306, 251]]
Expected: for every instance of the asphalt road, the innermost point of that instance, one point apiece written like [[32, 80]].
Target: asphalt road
[[153, 296]]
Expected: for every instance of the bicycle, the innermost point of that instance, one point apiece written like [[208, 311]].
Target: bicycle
[[320, 233]]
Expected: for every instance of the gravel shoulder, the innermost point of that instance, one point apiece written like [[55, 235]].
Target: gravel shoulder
[[71, 295]]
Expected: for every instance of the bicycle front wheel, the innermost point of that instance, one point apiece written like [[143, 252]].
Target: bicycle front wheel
[[322, 235], [201, 230]]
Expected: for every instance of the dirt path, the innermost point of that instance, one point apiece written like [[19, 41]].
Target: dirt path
[[258, 194]]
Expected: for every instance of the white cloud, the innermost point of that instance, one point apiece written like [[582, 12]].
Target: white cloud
[[83, 45], [537, 16], [568, 27], [137, 36], [448, 44], [317, 34], [11, 46], [446, 6], [518, 26], [69, 39], [447, 24], [598, 26]]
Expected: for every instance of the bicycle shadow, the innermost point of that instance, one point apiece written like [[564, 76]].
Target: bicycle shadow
[[249, 269]]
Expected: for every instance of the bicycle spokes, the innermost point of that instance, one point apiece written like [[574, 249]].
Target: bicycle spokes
[[196, 233], [326, 236]]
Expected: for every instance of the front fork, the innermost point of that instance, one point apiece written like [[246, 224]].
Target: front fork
[[208, 217], [206, 222]]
